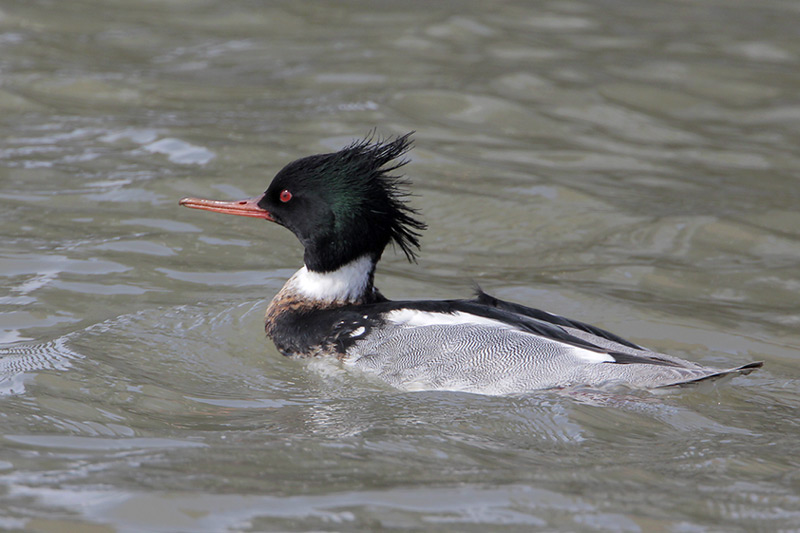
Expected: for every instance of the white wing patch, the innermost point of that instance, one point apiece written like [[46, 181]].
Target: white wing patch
[[591, 357], [413, 318]]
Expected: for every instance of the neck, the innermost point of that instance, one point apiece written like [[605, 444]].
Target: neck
[[350, 283]]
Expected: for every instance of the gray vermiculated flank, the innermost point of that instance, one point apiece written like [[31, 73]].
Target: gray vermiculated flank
[[491, 360]]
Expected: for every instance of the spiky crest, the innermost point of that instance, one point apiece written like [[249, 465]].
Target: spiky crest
[[363, 198], [368, 179]]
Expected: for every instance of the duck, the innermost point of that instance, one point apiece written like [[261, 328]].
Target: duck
[[345, 208]]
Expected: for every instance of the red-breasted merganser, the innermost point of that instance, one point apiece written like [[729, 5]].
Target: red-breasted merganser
[[345, 207]]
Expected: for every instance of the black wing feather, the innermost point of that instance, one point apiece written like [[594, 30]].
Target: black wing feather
[[538, 314]]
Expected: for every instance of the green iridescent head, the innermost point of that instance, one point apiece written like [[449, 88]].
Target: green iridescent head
[[346, 204]]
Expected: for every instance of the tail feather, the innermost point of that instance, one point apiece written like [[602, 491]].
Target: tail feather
[[741, 370]]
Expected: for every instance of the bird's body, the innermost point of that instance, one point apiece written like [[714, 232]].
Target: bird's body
[[345, 208]]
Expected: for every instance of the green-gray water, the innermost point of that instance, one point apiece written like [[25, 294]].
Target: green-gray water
[[634, 165]]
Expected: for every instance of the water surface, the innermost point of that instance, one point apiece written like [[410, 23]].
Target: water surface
[[629, 164]]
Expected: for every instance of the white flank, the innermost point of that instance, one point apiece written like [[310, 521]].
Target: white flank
[[344, 285]]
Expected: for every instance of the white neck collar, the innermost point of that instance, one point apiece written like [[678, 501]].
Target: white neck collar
[[347, 284]]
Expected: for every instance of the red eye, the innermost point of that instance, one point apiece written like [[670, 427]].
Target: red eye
[[285, 195]]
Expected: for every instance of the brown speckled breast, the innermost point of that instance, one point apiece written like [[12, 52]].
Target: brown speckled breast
[[297, 327]]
